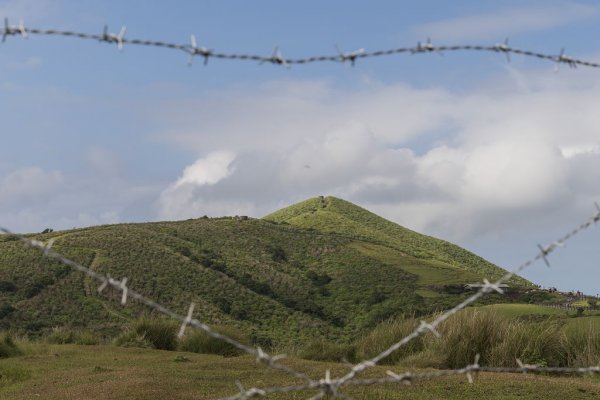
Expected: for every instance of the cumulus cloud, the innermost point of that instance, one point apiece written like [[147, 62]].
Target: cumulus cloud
[[492, 159], [507, 21], [208, 170], [183, 199]]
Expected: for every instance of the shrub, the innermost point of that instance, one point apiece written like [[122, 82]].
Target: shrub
[[8, 348], [318, 279], [6, 309], [7, 286], [277, 253], [324, 350], [158, 333], [60, 335], [199, 342]]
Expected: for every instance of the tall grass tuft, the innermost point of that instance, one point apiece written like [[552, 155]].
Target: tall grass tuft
[[539, 343], [499, 341], [157, 333], [62, 335], [582, 343], [199, 342], [320, 349], [384, 335], [8, 347], [466, 334]]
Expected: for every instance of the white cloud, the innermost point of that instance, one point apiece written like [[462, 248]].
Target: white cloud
[[283, 114], [506, 22], [27, 183], [501, 158], [208, 170], [182, 199]]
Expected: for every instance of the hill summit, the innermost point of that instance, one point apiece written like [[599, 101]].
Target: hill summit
[[333, 215], [322, 267]]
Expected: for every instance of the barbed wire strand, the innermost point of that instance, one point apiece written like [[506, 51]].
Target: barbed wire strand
[[407, 378], [331, 386], [277, 58], [128, 293]]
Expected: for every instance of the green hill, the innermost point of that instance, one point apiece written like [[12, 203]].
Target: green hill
[[323, 267], [330, 214]]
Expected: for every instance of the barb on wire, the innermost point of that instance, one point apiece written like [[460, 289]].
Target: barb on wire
[[350, 56], [503, 48], [13, 30], [278, 59], [119, 38], [187, 321], [562, 58], [194, 50], [126, 292], [426, 47]]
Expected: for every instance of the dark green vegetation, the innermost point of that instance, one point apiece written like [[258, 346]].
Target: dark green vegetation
[[153, 333], [60, 372], [8, 347], [321, 268]]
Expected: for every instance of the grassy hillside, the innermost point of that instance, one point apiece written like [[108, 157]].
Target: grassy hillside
[[330, 214], [323, 267]]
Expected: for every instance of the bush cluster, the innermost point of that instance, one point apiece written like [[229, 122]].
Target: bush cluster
[[498, 340], [161, 334], [72, 336], [8, 347]]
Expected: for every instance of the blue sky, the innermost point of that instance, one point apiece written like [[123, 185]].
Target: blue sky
[[494, 156]]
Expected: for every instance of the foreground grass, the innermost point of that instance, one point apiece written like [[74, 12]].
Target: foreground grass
[[107, 372]]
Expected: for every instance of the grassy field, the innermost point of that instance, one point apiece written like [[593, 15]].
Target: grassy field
[[58, 372]]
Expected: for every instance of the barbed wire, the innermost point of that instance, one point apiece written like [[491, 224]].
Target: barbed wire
[[278, 59], [407, 378], [328, 386]]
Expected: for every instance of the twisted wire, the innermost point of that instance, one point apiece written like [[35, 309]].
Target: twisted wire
[[276, 58]]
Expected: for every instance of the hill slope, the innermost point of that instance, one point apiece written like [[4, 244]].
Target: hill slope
[[330, 214], [321, 267]]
